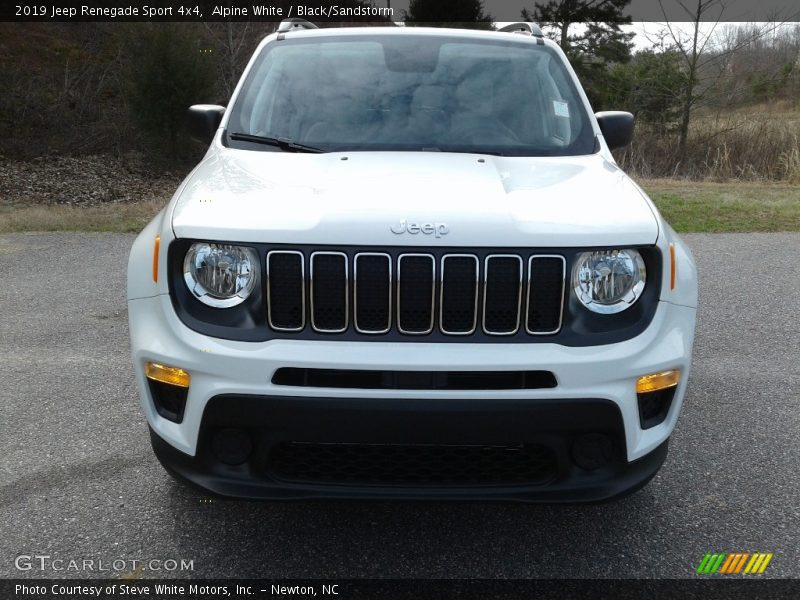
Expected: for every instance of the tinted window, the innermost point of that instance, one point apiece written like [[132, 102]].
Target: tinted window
[[413, 93]]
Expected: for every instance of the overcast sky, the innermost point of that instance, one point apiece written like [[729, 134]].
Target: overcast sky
[[648, 15]]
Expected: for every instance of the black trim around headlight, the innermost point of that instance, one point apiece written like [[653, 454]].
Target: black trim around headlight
[[248, 321]]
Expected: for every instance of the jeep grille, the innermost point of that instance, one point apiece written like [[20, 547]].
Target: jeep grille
[[414, 293]]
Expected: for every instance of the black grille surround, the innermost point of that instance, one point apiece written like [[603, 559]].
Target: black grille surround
[[374, 303]]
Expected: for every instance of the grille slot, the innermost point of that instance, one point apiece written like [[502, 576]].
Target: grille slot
[[458, 303], [545, 302], [502, 293], [415, 293], [414, 380], [286, 290], [329, 292], [413, 464], [372, 285]]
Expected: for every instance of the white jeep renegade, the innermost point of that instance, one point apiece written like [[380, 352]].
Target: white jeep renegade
[[408, 266]]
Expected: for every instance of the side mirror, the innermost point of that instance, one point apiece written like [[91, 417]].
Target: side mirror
[[617, 127], [203, 121]]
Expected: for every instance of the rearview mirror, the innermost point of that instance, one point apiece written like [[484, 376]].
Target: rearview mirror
[[203, 121], [617, 127]]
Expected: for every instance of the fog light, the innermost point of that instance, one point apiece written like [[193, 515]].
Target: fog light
[[231, 446], [169, 375], [591, 451], [658, 381]]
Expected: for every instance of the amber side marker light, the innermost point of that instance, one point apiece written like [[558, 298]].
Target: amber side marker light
[[170, 375], [156, 248], [672, 266], [658, 381]]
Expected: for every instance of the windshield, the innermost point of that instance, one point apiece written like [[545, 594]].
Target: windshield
[[412, 92]]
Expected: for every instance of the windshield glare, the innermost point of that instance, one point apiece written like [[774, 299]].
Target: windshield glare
[[413, 93]]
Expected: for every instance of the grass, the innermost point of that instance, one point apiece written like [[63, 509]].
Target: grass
[[759, 143], [711, 207], [689, 206], [118, 218]]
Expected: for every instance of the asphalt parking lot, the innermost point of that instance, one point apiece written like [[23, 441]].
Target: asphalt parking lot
[[78, 479]]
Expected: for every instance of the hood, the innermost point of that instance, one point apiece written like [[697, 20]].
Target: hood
[[412, 199]]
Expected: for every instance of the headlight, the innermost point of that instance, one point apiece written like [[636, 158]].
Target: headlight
[[608, 281], [220, 275]]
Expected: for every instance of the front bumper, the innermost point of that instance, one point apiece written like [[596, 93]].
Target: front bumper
[[492, 434], [228, 369]]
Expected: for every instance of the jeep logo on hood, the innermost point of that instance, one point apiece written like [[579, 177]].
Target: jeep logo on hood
[[437, 229]]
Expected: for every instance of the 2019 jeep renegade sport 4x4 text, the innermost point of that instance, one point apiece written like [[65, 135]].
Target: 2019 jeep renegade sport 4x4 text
[[409, 266]]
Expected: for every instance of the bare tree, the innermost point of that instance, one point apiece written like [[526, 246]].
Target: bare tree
[[697, 49], [234, 43]]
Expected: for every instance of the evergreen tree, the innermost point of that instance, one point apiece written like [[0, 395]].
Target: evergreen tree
[[588, 31], [648, 86], [167, 72]]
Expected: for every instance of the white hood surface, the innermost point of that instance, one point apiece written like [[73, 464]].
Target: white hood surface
[[354, 198]]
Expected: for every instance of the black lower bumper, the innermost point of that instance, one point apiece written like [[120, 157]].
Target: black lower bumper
[[280, 447]]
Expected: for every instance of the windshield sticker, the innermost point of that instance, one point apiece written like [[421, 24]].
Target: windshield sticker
[[561, 109]]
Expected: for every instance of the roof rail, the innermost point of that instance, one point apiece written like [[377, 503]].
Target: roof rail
[[526, 28], [293, 24]]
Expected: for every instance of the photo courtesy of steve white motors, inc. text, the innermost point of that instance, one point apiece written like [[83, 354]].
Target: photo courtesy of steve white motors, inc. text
[[193, 590]]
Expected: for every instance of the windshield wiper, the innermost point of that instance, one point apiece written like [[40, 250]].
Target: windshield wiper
[[282, 143], [472, 151]]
